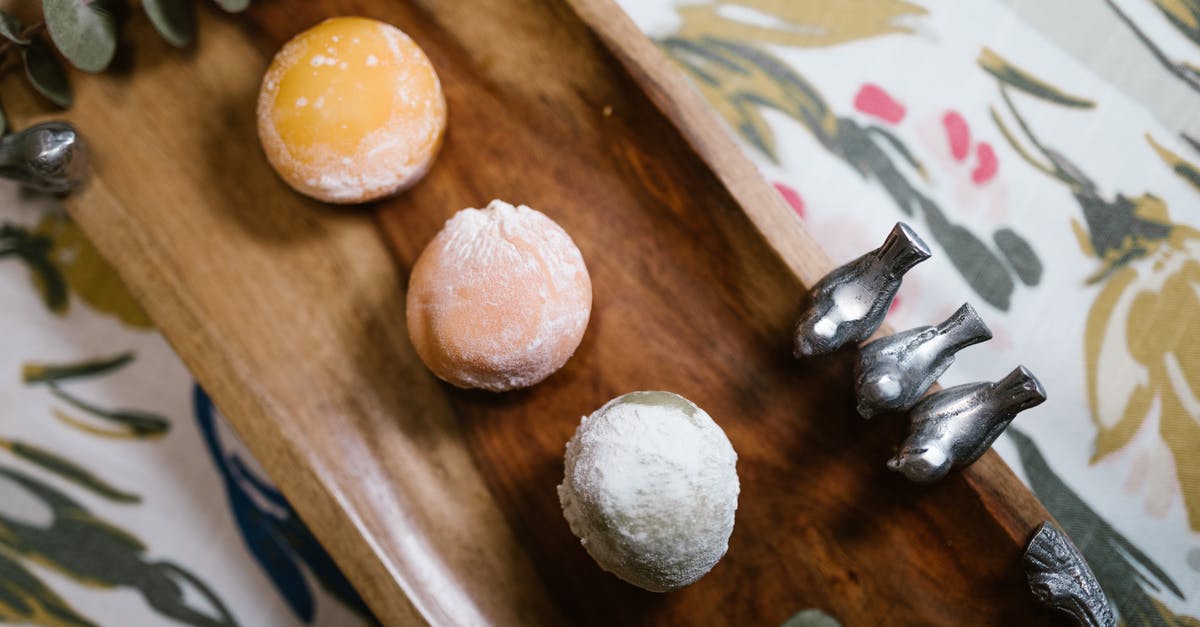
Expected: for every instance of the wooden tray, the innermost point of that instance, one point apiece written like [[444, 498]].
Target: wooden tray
[[438, 503]]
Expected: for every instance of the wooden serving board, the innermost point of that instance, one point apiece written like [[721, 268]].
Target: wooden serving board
[[439, 503]]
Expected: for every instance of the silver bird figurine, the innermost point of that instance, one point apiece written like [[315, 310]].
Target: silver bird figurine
[[893, 372], [1060, 578], [850, 302], [48, 157], [954, 426]]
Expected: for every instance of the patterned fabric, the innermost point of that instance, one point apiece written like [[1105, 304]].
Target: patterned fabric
[[124, 497], [1047, 151]]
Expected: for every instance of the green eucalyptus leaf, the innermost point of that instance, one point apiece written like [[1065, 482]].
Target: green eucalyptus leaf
[[46, 73], [85, 32], [175, 20], [11, 28], [233, 6], [811, 618]]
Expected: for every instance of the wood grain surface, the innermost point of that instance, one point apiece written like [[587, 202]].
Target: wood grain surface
[[440, 503]]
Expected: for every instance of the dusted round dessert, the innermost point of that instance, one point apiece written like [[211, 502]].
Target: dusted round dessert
[[651, 488], [499, 299], [351, 110]]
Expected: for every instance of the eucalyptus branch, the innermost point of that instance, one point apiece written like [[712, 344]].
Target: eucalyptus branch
[[85, 34], [27, 33]]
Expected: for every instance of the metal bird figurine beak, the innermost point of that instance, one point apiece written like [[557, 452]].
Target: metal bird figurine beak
[[893, 372], [48, 157], [849, 304], [953, 427]]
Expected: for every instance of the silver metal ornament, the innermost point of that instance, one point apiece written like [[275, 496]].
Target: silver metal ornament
[[1060, 578], [48, 157], [893, 372], [953, 427], [849, 304]]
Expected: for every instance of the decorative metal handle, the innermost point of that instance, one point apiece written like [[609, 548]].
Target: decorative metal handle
[[1060, 579], [47, 157]]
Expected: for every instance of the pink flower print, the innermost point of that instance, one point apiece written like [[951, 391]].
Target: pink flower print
[[958, 135], [792, 197], [987, 163], [874, 101]]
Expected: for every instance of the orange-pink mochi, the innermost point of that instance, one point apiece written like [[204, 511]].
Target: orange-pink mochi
[[499, 300]]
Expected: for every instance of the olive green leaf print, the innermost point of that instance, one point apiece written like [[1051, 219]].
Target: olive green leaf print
[[88, 274], [1009, 74], [42, 527], [1187, 171], [34, 251], [132, 423], [805, 23], [1023, 152], [45, 373], [25, 599], [1191, 141], [40, 524], [1020, 255], [58, 255], [740, 80], [1142, 336], [68, 470], [1184, 15], [1127, 574], [1118, 229], [119, 423], [1154, 308]]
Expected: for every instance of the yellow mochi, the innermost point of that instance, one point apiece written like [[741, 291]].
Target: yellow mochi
[[351, 110]]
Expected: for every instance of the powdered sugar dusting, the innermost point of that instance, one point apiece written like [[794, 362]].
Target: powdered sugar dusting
[[395, 41], [651, 489], [499, 299], [488, 236], [387, 160]]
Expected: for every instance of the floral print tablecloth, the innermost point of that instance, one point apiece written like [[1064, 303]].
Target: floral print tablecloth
[[1048, 151], [124, 497]]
